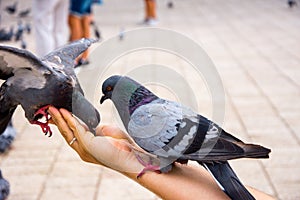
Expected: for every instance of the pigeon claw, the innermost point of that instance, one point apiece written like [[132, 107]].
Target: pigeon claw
[[44, 125], [148, 167]]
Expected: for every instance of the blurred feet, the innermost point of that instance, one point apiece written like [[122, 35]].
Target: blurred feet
[[149, 22], [81, 62]]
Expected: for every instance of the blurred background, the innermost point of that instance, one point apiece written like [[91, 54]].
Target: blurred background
[[254, 45]]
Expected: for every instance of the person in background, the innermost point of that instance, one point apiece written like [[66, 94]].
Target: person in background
[[150, 13], [50, 22], [79, 23]]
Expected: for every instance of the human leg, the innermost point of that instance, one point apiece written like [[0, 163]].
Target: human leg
[[43, 23], [75, 27], [61, 21]]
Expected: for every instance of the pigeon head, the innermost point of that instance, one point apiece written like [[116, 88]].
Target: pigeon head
[[118, 88], [108, 87], [126, 93]]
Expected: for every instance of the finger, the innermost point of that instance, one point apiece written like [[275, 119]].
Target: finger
[[81, 122], [63, 127], [60, 120], [77, 129], [70, 120]]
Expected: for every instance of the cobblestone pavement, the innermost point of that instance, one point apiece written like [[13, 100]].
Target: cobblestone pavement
[[255, 48]]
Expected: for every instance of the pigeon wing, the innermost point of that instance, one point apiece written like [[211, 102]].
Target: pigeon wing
[[170, 130], [67, 54], [158, 127], [153, 125], [12, 59], [220, 146]]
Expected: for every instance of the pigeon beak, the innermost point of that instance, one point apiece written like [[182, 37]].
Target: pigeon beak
[[103, 98]]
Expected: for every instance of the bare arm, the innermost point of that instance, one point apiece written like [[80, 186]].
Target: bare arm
[[187, 182], [111, 148]]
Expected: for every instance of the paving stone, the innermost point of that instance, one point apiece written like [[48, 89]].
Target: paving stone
[[112, 187], [71, 192]]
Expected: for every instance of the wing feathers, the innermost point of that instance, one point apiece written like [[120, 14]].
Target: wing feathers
[[66, 54], [12, 59]]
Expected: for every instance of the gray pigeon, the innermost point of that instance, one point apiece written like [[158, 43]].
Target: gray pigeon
[[174, 133], [4, 188], [7, 137], [11, 9], [37, 83]]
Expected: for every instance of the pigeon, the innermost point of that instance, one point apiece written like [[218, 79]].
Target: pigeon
[[19, 31], [28, 28], [291, 3], [6, 36], [4, 188], [24, 13], [7, 137], [11, 9], [35, 84], [170, 4], [23, 44], [175, 133], [96, 30], [121, 34]]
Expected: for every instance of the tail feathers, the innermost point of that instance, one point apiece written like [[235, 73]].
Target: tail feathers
[[228, 181]]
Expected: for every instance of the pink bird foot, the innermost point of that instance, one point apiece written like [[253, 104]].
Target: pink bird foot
[[44, 125], [148, 167]]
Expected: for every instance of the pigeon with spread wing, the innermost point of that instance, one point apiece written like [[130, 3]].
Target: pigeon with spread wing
[[36, 83]]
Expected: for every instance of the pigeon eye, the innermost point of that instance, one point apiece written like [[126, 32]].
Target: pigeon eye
[[108, 88]]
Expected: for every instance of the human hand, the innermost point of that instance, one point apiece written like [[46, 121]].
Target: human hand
[[110, 147]]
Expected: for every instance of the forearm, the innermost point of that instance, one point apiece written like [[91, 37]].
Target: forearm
[[183, 182], [186, 182]]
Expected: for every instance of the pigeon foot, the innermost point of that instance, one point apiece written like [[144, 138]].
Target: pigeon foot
[[44, 125], [148, 167]]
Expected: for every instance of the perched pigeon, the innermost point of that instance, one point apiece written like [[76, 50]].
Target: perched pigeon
[[7, 137], [4, 187], [37, 83], [174, 133]]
